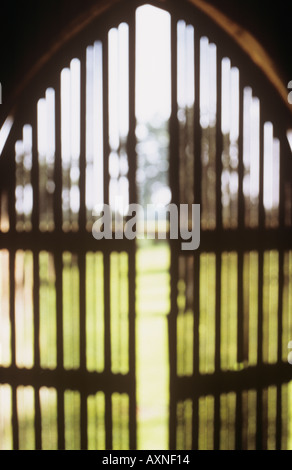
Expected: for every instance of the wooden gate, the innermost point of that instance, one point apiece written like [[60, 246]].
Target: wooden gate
[[68, 304]]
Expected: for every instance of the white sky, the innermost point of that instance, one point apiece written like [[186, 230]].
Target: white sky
[[153, 87]]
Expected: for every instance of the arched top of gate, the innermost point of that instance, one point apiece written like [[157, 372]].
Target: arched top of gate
[[256, 66]]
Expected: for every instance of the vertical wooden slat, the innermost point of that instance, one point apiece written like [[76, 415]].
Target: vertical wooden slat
[[240, 265], [196, 358], [108, 421], [131, 149], [261, 173], [240, 313], [261, 254], [172, 351], [58, 258], [238, 421], [280, 352], [82, 182], [217, 421], [197, 127], [12, 251], [217, 349], [11, 165], [107, 334], [259, 423], [197, 200], [36, 310], [15, 426], [12, 225], [260, 307], [58, 221], [35, 171], [219, 140], [38, 420], [174, 171], [280, 305], [13, 347], [81, 257], [106, 149], [12, 305], [259, 407], [106, 201], [241, 206], [131, 144], [173, 124], [58, 158], [279, 428], [107, 347], [132, 350], [219, 146], [60, 348], [36, 270], [82, 339], [282, 177]]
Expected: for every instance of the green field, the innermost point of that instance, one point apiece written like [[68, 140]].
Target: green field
[[152, 362]]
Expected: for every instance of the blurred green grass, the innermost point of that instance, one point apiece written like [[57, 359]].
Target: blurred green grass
[[153, 305], [152, 361]]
